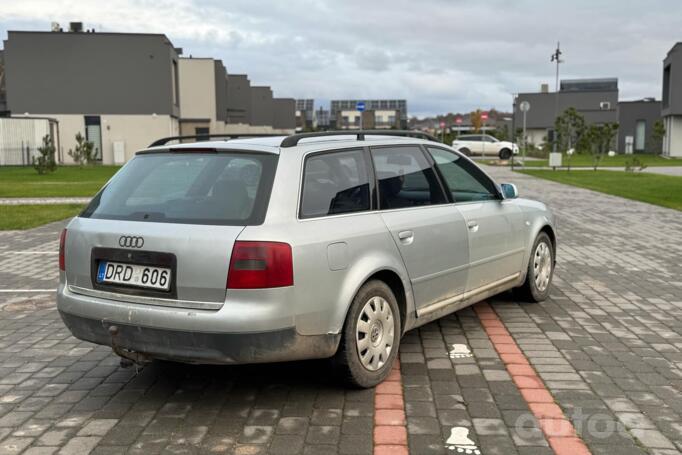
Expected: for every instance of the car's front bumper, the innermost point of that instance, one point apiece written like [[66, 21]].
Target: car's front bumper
[[190, 336]]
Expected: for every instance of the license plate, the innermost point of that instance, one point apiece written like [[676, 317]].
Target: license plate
[[143, 276]]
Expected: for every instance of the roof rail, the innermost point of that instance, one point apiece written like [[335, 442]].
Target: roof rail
[[165, 140], [291, 141]]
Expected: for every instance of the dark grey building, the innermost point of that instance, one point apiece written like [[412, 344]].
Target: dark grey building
[[636, 121], [595, 99], [238, 98], [284, 113], [90, 73], [671, 101], [399, 106], [221, 100], [262, 106]]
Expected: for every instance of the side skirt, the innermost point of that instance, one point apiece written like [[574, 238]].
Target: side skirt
[[451, 304]]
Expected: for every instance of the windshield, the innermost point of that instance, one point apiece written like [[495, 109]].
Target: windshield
[[192, 188]]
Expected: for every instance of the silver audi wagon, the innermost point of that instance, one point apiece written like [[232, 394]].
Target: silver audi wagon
[[317, 245]]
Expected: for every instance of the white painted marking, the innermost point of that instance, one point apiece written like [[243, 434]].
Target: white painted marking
[[459, 441], [460, 351], [15, 291], [29, 252]]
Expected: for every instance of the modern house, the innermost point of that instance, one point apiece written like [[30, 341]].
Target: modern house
[[119, 90], [213, 102], [671, 109], [636, 121], [595, 99], [122, 91], [378, 114]]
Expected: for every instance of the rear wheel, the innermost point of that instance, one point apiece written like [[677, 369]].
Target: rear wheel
[[466, 151], [371, 336], [540, 270], [505, 154]]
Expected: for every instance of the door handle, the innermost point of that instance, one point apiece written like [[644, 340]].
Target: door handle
[[406, 237], [473, 226]]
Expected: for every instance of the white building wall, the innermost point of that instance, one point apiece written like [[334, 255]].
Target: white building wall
[[672, 142], [197, 89], [536, 136], [135, 131], [20, 139]]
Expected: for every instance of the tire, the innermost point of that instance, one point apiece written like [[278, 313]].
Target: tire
[[466, 151], [505, 154], [361, 370], [534, 289]]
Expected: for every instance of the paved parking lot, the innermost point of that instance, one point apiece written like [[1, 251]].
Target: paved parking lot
[[607, 346]]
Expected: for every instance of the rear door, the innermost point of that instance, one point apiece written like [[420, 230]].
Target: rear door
[[429, 232], [179, 212], [494, 226]]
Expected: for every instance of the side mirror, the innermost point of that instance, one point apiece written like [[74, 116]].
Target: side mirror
[[509, 190]]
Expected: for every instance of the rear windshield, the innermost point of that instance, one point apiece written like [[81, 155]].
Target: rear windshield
[[190, 188]]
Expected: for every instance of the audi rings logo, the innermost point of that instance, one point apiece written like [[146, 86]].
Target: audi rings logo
[[129, 241]]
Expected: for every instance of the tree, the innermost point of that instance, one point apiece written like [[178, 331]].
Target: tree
[[598, 140], [476, 120], [657, 135], [45, 162], [84, 151], [570, 128]]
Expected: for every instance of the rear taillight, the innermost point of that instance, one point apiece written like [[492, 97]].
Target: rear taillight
[[260, 265], [62, 244]]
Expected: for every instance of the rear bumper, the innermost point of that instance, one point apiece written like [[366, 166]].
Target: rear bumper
[[204, 347], [257, 331]]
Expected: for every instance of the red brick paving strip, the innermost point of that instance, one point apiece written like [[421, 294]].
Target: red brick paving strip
[[390, 433], [558, 430]]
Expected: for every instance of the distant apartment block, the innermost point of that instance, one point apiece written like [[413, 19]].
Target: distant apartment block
[[379, 114], [322, 119], [124, 90], [671, 101], [305, 114], [595, 99]]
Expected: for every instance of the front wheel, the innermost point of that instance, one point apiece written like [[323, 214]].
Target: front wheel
[[540, 270], [505, 154], [371, 336]]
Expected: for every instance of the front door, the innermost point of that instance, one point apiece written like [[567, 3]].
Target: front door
[[494, 226], [429, 232]]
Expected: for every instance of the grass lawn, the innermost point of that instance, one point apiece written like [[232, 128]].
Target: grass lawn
[[28, 216], [608, 161], [663, 190], [64, 182]]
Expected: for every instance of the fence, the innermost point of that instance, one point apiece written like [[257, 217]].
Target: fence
[[20, 138]]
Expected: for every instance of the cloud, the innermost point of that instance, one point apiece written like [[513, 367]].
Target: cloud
[[441, 55]]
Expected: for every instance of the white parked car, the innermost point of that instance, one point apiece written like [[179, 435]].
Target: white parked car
[[484, 144]]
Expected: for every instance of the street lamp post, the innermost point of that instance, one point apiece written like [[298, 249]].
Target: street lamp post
[[524, 107], [556, 57]]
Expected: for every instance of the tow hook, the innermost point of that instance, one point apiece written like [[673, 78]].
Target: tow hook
[[128, 357]]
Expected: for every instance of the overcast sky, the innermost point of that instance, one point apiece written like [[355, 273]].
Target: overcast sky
[[441, 55]]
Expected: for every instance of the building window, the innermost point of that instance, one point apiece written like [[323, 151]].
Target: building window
[[174, 82], [605, 105], [640, 135]]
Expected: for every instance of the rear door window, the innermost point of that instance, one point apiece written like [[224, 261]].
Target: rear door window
[[193, 188], [405, 178], [335, 183]]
